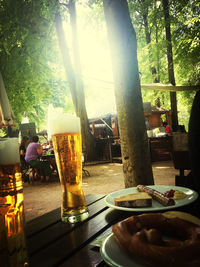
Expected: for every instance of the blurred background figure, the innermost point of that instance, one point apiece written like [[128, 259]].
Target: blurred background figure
[[148, 127], [33, 153], [168, 129], [181, 129], [22, 150]]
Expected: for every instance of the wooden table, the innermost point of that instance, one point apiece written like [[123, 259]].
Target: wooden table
[[51, 242]]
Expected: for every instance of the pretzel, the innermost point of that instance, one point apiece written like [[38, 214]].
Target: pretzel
[[142, 237]]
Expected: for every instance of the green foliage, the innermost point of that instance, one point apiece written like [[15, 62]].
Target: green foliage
[[185, 25], [32, 67], [186, 38], [185, 100], [153, 96], [152, 52], [29, 55]]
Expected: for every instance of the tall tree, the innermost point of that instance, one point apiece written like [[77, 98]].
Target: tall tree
[[123, 46], [25, 52], [186, 41], [75, 83], [143, 7], [170, 65], [146, 16]]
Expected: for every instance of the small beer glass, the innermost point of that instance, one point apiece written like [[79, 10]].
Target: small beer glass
[[12, 238], [67, 144]]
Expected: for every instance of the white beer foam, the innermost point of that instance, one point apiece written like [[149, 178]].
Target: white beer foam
[[9, 151], [64, 123]]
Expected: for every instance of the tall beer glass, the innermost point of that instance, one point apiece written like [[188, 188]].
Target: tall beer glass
[[12, 238], [67, 143]]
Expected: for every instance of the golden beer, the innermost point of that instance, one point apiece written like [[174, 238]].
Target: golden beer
[[68, 154], [12, 237], [10, 179]]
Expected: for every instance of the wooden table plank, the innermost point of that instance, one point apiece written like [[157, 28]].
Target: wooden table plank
[[41, 239], [61, 244], [50, 218], [88, 256], [72, 242]]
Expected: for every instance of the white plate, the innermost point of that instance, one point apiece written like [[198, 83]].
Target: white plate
[[114, 256], [191, 196]]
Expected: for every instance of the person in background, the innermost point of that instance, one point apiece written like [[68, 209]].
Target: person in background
[[22, 150], [52, 160], [148, 127], [50, 149], [181, 129], [33, 152], [168, 129]]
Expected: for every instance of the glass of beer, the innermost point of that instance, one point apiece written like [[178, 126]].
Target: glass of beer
[[12, 238], [67, 144]]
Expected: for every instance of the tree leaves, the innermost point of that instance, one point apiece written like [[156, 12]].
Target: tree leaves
[[27, 51]]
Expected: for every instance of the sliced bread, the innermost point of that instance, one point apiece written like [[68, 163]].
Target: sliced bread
[[141, 199]]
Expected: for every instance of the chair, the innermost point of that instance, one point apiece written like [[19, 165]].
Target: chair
[[33, 174], [180, 157], [24, 171], [29, 173]]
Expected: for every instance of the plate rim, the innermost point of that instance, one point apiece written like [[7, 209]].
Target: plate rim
[[107, 258], [146, 209], [104, 255]]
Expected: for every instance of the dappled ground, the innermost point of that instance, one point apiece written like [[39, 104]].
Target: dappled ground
[[105, 178]]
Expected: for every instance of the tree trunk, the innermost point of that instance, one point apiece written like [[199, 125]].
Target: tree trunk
[[134, 141], [88, 139], [76, 86], [194, 143], [148, 41], [157, 56], [170, 65]]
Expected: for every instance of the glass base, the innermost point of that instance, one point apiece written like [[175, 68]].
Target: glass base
[[75, 217]]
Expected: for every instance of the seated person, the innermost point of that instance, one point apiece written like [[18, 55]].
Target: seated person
[[52, 159], [50, 149], [22, 151], [33, 152]]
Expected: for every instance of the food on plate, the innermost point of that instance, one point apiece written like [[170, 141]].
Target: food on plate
[[159, 240], [183, 215], [140, 199], [169, 193], [175, 194], [165, 201]]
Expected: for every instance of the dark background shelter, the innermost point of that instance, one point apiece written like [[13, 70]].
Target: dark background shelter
[[157, 116], [104, 126], [27, 129], [107, 125]]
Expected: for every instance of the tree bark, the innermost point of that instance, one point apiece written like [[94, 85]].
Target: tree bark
[[170, 65], [88, 139], [76, 85], [134, 141], [148, 41]]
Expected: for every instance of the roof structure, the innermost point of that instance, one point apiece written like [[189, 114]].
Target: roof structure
[[105, 116], [159, 109], [170, 87], [154, 109]]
